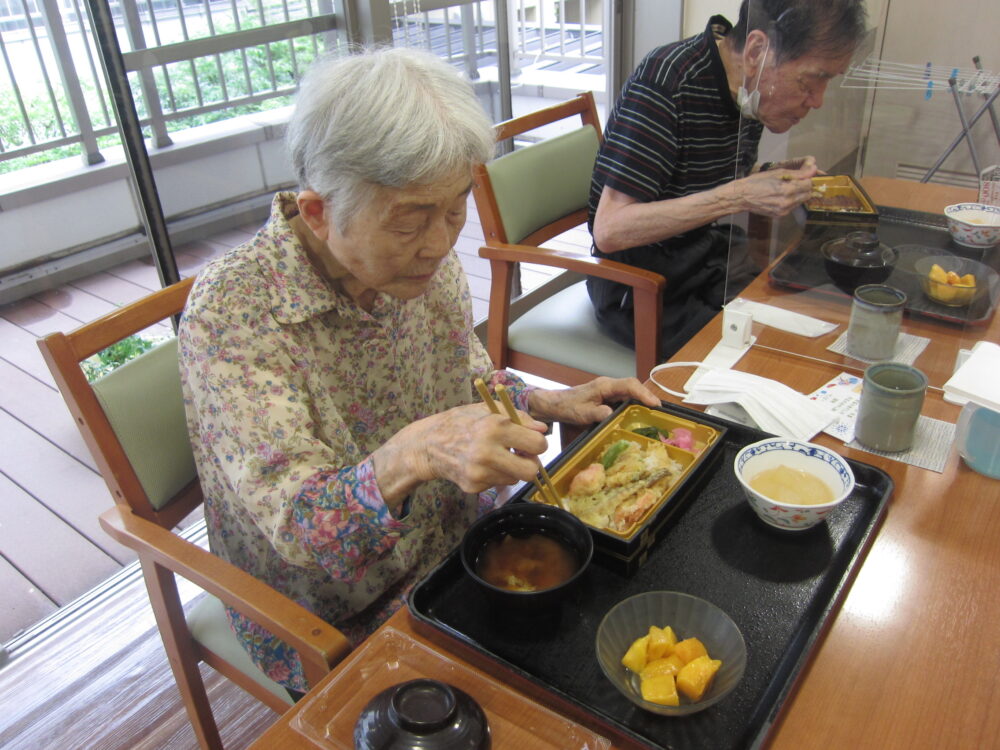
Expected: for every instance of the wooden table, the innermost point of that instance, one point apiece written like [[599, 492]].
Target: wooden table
[[912, 658]]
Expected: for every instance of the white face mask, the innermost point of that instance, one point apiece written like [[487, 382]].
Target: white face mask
[[773, 406], [749, 102]]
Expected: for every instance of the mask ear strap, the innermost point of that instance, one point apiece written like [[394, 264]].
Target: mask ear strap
[[763, 59], [667, 366]]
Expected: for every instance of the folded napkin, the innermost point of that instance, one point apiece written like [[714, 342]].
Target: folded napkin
[[784, 320], [976, 380]]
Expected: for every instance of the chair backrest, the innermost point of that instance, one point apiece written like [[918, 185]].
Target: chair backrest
[[133, 418], [526, 198], [513, 210]]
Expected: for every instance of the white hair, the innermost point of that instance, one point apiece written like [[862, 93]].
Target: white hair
[[388, 117]]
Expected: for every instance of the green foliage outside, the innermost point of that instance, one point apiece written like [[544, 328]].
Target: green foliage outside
[[287, 60], [116, 355]]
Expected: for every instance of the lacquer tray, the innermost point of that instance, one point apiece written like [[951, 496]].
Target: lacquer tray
[[914, 236], [779, 587]]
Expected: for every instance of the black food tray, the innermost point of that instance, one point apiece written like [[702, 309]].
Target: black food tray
[[914, 236], [780, 588]]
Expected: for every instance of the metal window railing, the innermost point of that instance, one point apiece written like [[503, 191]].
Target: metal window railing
[[191, 61]]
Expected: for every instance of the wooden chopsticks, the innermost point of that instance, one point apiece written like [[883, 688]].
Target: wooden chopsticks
[[546, 490]]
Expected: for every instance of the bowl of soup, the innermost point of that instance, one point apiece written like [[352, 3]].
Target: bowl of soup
[[790, 484], [975, 225], [526, 556]]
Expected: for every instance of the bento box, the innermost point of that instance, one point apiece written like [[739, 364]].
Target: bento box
[[839, 198], [631, 473]]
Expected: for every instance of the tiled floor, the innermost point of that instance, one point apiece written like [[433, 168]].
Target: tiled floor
[[51, 547]]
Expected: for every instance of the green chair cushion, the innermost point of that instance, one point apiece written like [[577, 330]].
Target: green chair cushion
[[560, 170], [142, 400], [210, 627], [563, 328]]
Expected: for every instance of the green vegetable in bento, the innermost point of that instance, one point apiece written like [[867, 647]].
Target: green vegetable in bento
[[613, 452]]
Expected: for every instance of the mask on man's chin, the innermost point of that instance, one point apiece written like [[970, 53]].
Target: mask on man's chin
[[748, 102]]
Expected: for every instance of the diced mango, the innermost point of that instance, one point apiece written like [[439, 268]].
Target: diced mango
[[953, 278], [696, 676], [635, 658], [661, 689], [657, 667], [661, 642], [690, 649], [968, 280], [938, 274]]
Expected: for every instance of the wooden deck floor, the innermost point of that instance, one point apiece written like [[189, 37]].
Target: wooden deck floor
[[51, 547]]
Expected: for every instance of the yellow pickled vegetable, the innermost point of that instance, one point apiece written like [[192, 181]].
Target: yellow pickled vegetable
[[661, 642], [660, 677], [635, 658], [690, 649], [671, 665], [661, 689], [696, 676]]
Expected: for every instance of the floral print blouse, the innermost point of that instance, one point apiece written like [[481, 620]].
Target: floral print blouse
[[289, 387]]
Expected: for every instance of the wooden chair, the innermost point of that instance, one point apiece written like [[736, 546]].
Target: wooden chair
[[134, 424], [525, 198]]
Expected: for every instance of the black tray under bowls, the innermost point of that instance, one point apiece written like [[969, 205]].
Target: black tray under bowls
[[914, 236], [627, 548], [781, 588]]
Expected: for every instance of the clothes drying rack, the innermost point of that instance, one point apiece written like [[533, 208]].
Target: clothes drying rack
[[975, 81]]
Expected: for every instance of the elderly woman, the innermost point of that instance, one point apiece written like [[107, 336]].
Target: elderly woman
[[328, 364]]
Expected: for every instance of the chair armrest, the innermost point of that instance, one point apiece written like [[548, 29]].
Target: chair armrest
[[612, 270], [315, 639], [647, 295]]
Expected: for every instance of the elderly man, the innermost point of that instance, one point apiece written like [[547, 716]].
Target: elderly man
[[328, 365], [681, 144]]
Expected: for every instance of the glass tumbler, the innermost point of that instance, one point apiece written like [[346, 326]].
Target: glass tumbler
[[876, 317], [892, 396]]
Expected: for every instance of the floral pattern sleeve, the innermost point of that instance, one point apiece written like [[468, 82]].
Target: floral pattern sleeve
[[342, 518]]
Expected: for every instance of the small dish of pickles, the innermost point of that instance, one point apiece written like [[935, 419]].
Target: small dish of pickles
[[950, 280]]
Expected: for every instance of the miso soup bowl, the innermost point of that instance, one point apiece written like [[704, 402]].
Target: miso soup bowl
[[831, 468], [524, 519]]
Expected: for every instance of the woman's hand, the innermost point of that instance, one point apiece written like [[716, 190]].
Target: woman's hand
[[467, 445], [588, 403], [776, 191]]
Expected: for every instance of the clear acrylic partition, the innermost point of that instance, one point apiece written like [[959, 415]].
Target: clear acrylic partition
[[892, 129]]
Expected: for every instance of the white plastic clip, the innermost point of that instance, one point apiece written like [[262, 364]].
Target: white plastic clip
[[736, 328]]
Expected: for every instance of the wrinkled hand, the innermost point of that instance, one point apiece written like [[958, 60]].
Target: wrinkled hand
[[588, 403], [467, 445], [777, 191]]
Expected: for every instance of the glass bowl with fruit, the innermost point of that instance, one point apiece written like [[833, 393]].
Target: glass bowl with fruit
[[951, 280], [671, 653]]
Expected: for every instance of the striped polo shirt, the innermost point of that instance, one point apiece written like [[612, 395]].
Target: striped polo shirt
[[674, 130]]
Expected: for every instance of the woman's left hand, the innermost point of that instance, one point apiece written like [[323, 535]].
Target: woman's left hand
[[588, 403]]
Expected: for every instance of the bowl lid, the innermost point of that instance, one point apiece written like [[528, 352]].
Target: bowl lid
[[425, 714], [859, 250]]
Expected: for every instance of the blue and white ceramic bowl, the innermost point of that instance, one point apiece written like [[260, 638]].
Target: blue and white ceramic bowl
[[831, 468], [974, 224]]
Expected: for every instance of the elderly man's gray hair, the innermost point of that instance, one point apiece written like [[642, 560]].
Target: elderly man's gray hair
[[388, 117]]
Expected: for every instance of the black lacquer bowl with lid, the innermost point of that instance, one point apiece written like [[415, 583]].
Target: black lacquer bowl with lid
[[856, 259], [422, 714]]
